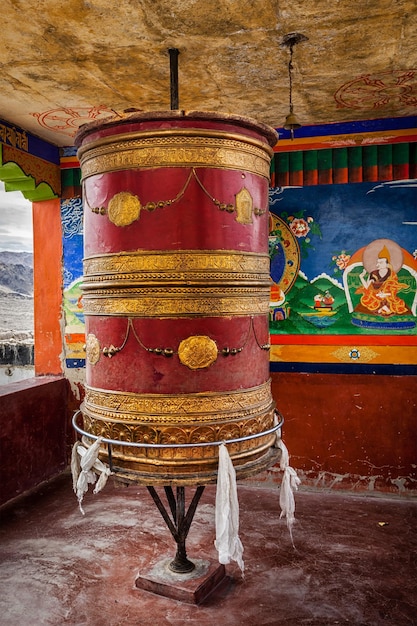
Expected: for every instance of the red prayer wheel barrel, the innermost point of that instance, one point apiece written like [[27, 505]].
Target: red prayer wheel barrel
[[176, 292]]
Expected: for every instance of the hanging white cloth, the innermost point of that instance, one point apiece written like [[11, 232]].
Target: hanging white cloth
[[290, 482], [83, 462], [227, 541]]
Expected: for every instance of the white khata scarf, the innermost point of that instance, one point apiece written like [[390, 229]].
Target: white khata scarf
[[290, 482], [83, 462], [227, 541]]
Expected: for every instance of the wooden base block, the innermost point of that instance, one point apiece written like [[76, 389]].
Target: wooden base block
[[193, 587]]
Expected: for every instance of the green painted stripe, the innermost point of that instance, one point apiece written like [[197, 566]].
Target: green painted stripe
[[400, 153], [355, 157], [283, 164], [296, 161], [325, 159], [71, 177], [340, 158], [384, 155], [310, 160], [370, 156]]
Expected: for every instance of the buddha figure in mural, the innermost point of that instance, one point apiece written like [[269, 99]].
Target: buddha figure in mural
[[380, 288], [380, 283]]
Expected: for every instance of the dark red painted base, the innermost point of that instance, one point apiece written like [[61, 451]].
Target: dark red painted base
[[34, 429]]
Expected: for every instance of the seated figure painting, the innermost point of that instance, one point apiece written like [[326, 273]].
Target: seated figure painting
[[380, 286]]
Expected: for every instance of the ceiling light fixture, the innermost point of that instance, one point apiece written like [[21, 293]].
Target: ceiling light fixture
[[289, 41]]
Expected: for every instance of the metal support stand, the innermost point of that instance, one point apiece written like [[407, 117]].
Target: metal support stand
[[180, 523]]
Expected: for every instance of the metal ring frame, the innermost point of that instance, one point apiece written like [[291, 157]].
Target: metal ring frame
[[117, 442]]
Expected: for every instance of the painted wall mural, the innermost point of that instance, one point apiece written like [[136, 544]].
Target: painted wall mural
[[344, 271], [386, 273], [73, 241]]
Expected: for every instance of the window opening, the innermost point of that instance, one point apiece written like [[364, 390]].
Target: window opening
[[16, 287]]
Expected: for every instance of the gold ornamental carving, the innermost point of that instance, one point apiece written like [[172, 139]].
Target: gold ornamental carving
[[123, 208], [174, 434], [197, 352], [191, 464], [92, 349], [244, 207], [93, 282], [153, 266], [178, 301], [131, 408], [175, 148]]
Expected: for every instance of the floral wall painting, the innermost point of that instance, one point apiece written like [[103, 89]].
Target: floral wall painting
[[284, 252], [343, 261]]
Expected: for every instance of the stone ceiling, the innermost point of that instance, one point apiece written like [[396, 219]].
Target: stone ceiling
[[64, 64]]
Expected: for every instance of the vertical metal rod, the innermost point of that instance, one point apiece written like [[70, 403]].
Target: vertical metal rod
[[181, 563], [171, 501], [180, 523], [173, 71], [180, 506], [163, 512], [192, 508], [109, 451]]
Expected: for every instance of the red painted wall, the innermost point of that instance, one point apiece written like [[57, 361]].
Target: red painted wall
[[348, 431], [33, 434]]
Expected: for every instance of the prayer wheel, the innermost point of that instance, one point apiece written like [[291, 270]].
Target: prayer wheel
[[176, 293]]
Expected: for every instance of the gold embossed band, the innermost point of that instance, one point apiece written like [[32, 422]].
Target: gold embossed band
[[185, 266], [131, 408], [167, 434], [189, 465], [177, 302], [175, 148]]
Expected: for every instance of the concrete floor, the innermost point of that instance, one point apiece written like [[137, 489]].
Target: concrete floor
[[58, 567]]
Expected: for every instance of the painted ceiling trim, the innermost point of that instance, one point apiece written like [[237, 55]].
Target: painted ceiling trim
[[368, 163], [344, 165], [37, 179], [28, 164], [22, 140], [338, 135]]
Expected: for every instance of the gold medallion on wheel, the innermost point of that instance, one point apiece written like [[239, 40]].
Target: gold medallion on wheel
[[197, 352]]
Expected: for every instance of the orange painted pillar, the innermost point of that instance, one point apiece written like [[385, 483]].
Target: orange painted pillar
[[47, 279]]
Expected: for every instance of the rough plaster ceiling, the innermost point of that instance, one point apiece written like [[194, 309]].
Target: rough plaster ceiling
[[62, 64]]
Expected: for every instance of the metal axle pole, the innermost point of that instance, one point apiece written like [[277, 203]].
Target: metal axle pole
[[179, 523], [173, 68]]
